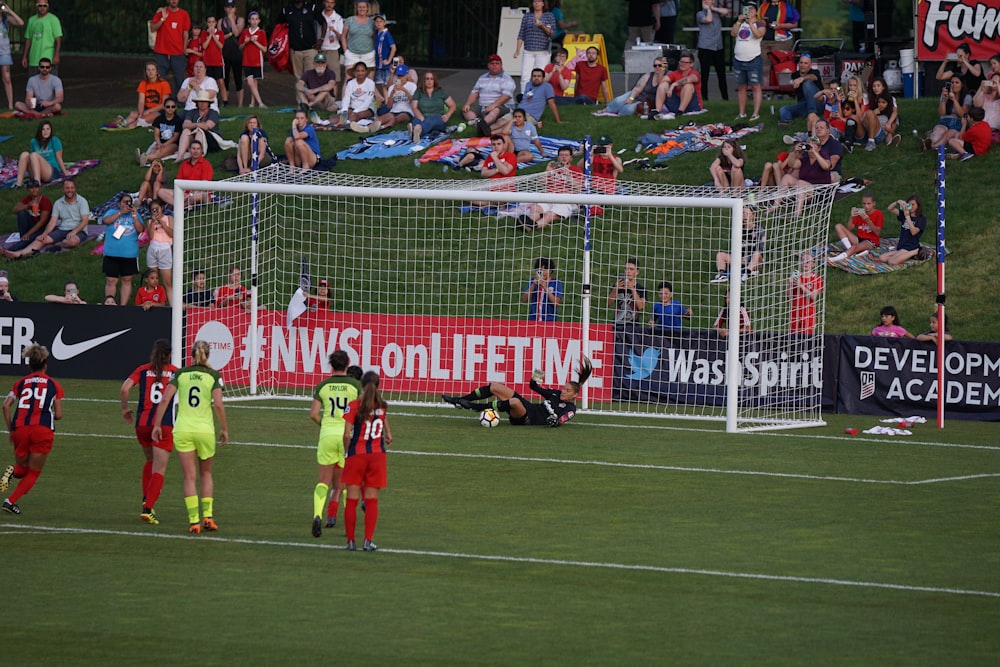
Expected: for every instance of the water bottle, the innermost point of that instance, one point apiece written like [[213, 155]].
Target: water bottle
[[461, 127]]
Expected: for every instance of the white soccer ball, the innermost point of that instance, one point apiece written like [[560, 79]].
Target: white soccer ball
[[489, 418]]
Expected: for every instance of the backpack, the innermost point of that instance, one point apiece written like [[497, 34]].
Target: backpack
[[277, 51]]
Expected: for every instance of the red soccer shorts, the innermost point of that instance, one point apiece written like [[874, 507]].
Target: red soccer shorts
[[145, 436], [32, 439], [365, 470]]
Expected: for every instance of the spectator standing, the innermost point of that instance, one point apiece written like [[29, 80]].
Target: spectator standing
[[233, 293], [317, 89], [534, 38], [543, 293], [171, 25], [121, 249], [668, 21], [562, 24], [198, 294], [253, 41], [153, 92], [33, 213], [931, 335], [302, 145], [910, 214], [151, 294], [385, 51], [159, 253], [961, 64], [305, 23], [43, 161], [490, 98], [42, 39], [591, 79], [628, 296], [67, 227], [212, 41], [70, 295], [232, 26], [780, 17], [748, 67], [359, 35], [194, 50], [668, 314], [167, 130], [643, 21], [8, 18], [858, 24], [711, 53], [432, 108], [44, 92], [804, 287], [721, 324], [333, 36], [197, 168], [889, 325]]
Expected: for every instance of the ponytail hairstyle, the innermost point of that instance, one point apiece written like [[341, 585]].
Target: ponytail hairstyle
[[160, 357], [371, 399], [586, 368], [199, 353], [36, 355]]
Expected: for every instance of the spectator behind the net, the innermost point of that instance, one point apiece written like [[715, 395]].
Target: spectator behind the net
[[70, 295], [534, 38], [67, 227], [711, 53], [233, 293], [628, 295], [33, 213], [931, 335], [121, 248], [432, 107], [199, 125], [152, 183], [806, 81], [754, 244], [198, 295], [727, 168], [302, 145], [543, 293], [43, 161], [44, 92], [668, 314], [490, 98]]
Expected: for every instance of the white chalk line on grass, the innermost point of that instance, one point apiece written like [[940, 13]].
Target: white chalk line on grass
[[684, 429], [613, 464], [9, 529]]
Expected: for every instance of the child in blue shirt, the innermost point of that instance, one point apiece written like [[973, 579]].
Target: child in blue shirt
[[385, 51], [667, 314]]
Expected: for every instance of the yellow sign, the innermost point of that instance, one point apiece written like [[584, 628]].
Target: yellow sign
[[577, 46]]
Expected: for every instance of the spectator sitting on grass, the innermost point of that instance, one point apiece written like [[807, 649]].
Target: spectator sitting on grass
[[976, 135], [67, 227]]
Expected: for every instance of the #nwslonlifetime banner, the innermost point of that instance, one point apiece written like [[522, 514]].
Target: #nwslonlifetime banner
[[944, 24], [412, 353]]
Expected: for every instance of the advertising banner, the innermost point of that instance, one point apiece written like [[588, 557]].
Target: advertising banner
[[944, 24], [412, 353], [898, 376], [84, 341]]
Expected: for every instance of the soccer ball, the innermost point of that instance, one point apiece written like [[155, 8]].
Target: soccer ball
[[489, 418]]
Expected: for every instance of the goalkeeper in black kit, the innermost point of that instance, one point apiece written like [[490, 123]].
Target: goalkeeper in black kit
[[556, 409]]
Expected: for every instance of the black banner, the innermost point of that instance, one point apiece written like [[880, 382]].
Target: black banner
[[898, 376], [84, 341]]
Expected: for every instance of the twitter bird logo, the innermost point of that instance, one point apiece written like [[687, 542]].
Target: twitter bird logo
[[642, 366]]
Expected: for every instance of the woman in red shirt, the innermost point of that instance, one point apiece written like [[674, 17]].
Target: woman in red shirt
[[37, 402]]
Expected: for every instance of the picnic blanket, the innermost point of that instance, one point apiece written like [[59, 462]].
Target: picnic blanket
[[8, 172], [449, 152], [691, 138], [865, 265]]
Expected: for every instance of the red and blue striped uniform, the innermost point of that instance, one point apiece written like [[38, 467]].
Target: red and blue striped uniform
[[34, 395], [151, 393], [366, 437]]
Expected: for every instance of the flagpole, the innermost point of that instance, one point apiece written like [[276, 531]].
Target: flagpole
[[942, 389]]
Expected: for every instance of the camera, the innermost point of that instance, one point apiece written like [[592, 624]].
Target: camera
[[395, 61], [802, 147], [601, 149], [538, 272], [947, 86]]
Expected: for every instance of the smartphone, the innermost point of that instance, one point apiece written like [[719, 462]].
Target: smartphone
[[538, 272]]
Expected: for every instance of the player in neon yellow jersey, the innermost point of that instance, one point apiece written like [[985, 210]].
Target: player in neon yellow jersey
[[199, 391], [330, 399]]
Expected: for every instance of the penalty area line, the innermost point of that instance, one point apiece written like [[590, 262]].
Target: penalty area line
[[12, 529]]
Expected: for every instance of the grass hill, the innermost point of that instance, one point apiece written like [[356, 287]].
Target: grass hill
[[853, 302]]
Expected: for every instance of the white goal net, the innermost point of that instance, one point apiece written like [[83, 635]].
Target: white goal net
[[436, 295]]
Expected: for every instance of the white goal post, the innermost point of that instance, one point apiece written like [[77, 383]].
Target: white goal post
[[436, 297]]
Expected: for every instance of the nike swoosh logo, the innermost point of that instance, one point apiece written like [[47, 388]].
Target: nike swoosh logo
[[64, 351]]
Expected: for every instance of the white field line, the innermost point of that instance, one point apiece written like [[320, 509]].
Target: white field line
[[8, 529], [607, 464]]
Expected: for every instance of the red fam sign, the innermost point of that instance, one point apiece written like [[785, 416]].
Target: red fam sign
[[944, 24], [428, 355]]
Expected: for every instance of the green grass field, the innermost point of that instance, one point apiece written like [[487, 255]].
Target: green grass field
[[604, 542]]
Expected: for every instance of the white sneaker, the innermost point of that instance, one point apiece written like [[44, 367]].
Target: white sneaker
[[359, 128], [666, 115], [375, 126], [720, 277], [839, 258]]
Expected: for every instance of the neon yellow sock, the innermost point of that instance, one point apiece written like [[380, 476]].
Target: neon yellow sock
[[319, 499], [343, 497], [191, 502], [207, 507]]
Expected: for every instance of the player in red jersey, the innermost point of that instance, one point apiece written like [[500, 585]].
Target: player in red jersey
[[38, 401], [366, 437], [152, 379]]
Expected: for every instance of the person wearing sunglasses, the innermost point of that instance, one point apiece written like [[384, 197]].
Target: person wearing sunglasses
[[642, 98], [43, 94], [42, 39], [167, 130]]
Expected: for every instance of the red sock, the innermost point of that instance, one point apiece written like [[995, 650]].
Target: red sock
[[20, 471], [371, 516], [25, 484], [153, 489], [332, 508], [350, 518], [147, 472]]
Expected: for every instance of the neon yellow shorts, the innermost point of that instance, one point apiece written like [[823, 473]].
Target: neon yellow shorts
[[330, 451], [201, 443]]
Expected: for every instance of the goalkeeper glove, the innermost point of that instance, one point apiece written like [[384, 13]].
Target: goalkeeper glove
[[537, 375], [552, 420]]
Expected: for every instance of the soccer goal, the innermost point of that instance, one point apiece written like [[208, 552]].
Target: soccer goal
[[435, 294]]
